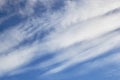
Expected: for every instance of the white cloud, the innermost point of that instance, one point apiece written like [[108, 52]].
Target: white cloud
[[81, 10], [9, 39], [2, 2], [16, 59], [77, 54], [75, 23], [85, 31]]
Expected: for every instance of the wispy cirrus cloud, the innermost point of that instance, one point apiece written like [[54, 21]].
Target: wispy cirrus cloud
[[78, 32], [79, 53]]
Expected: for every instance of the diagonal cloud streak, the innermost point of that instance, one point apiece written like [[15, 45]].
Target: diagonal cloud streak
[[77, 32]]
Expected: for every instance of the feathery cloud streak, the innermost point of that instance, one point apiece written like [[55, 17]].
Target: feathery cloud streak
[[76, 30]]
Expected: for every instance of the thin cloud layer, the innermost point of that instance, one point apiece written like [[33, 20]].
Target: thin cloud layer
[[77, 32]]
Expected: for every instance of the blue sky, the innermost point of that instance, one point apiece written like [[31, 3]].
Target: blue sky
[[59, 40]]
